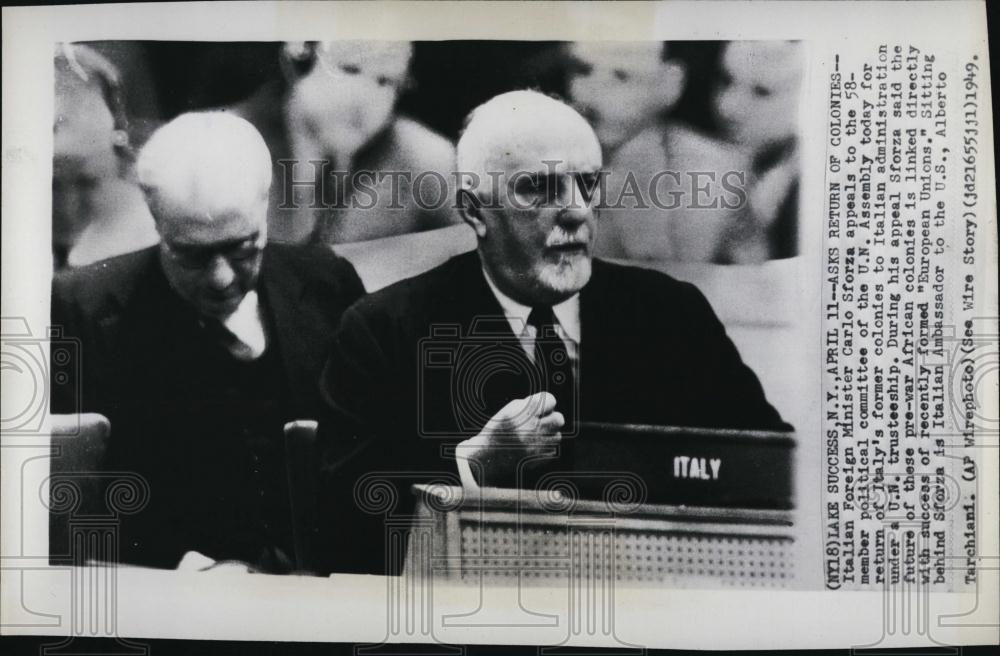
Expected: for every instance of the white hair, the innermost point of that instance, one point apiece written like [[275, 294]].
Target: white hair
[[495, 126], [205, 160]]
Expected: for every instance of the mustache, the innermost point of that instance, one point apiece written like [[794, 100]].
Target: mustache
[[560, 238]]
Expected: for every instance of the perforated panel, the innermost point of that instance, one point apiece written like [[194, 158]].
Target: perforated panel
[[679, 558]]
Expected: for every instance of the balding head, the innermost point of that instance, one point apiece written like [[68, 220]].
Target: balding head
[[506, 129], [201, 168], [533, 165], [206, 177]]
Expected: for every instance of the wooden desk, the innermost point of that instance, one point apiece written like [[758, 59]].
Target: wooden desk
[[522, 535]]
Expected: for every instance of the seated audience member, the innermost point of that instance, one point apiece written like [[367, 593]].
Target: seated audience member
[[723, 197], [200, 349], [349, 158], [755, 105], [647, 205], [497, 354], [623, 88], [97, 211]]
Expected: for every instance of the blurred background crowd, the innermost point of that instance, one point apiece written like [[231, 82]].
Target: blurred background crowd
[[697, 109]]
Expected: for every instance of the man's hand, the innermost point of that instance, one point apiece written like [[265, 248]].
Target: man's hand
[[523, 429]]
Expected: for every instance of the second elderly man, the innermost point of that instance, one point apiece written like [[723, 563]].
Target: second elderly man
[[198, 350]]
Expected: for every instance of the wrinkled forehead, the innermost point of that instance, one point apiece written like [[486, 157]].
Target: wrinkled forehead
[[775, 65], [205, 165], [388, 58], [526, 131], [634, 56], [548, 144]]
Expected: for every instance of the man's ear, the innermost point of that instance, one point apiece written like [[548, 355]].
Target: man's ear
[[470, 207]]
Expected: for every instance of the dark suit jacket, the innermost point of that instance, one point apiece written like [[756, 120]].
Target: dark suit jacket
[[152, 368], [652, 351]]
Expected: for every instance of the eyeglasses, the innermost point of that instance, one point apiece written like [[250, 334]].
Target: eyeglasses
[[533, 190], [239, 252]]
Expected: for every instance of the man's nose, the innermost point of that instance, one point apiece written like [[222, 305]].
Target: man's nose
[[220, 274], [574, 204]]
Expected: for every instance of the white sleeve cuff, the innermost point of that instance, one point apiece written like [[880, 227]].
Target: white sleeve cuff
[[465, 467]]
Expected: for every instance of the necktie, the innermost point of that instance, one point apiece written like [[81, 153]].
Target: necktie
[[554, 366]]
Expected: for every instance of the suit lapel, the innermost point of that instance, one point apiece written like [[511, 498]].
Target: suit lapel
[[149, 341], [492, 367], [156, 316], [472, 303], [593, 366], [606, 341]]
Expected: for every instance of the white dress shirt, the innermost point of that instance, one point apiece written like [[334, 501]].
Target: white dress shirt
[[567, 315]]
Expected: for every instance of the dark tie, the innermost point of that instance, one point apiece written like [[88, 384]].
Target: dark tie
[[554, 365]]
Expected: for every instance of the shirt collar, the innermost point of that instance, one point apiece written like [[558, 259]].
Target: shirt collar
[[567, 313], [246, 325], [245, 312]]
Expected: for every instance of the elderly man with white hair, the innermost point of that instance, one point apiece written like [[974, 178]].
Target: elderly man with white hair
[[476, 371], [201, 348]]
